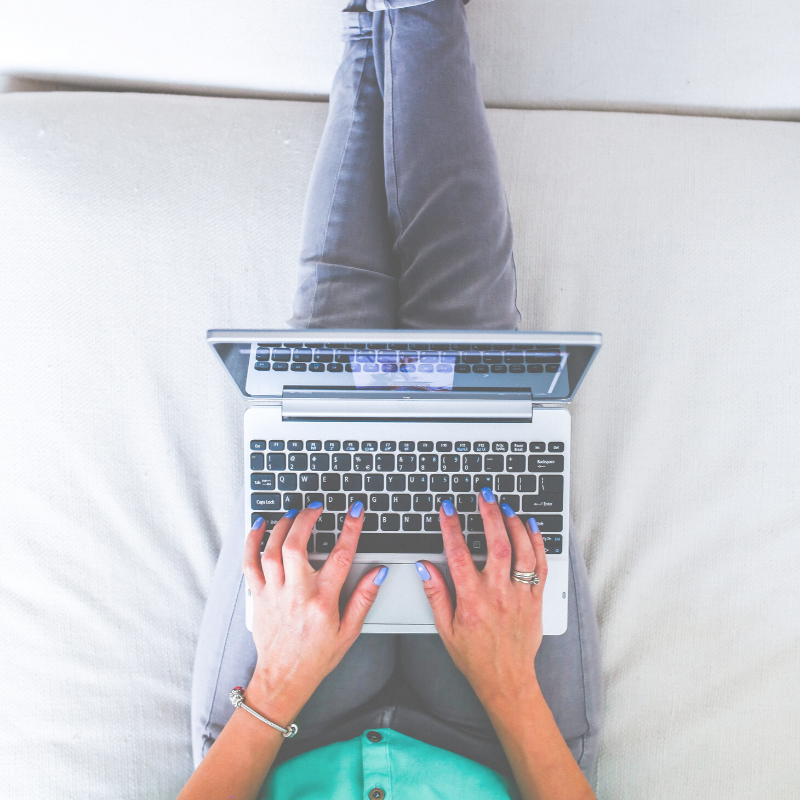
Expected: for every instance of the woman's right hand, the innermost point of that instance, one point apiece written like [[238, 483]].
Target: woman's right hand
[[495, 629]]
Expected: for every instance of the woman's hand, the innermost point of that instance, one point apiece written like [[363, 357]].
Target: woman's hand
[[495, 629], [299, 632]]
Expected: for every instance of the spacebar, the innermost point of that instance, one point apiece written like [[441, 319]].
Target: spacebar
[[400, 543]]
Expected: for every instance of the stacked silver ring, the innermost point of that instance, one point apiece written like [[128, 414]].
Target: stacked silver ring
[[525, 577]]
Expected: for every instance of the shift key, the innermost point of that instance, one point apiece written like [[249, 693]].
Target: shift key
[[260, 501]]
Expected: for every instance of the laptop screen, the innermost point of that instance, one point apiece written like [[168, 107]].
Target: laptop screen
[[266, 363]]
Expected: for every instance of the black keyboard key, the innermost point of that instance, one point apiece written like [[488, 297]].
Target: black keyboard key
[[352, 482], [544, 501], [292, 500], [412, 522], [548, 523], [276, 462], [440, 483], [526, 483], [299, 367], [262, 480], [287, 482], [499, 368], [309, 482], [551, 483], [301, 354], [342, 462], [474, 522], [320, 462], [369, 447], [388, 447], [551, 367], [323, 356], [343, 356], [384, 462], [428, 462], [479, 481], [466, 502], [280, 367], [314, 497], [499, 447], [332, 445], [373, 483], [389, 522], [537, 447], [461, 483], [504, 483], [269, 519], [473, 463], [425, 447], [325, 542], [298, 461], [517, 368], [263, 366], [535, 368], [351, 446], [462, 447], [477, 544], [316, 368], [418, 483], [326, 522], [431, 522], [515, 463], [440, 498], [494, 463], [265, 502], [553, 543], [262, 353], [313, 444], [340, 518], [401, 502], [406, 447], [395, 483], [481, 447], [480, 367], [400, 543], [362, 462], [492, 359], [510, 358], [276, 444], [258, 444], [334, 367], [423, 502], [451, 463], [331, 482], [545, 463], [356, 498], [295, 444], [379, 502], [281, 354], [406, 463], [335, 502], [257, 462], [556, 447], [370, 522], [511, 500], [444, 447]]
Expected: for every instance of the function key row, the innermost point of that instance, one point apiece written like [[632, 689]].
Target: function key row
[[307, 356], [349, 445], [283, 366]]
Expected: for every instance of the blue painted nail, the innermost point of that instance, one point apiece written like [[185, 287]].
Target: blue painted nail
[[355, 511], [486, 494], [292, 513], [534, 525], [257, 523], [381, 576], [315, 504], [423, 573], [448, 509], [508, 511]]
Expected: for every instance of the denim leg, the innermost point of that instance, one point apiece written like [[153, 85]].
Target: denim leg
[[348, 275], [446, 202]]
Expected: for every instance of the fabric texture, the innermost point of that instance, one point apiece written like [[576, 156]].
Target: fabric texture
[[402, 767], [130, 224]]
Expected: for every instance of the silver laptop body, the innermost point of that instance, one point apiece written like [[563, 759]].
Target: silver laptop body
[[401, 420]]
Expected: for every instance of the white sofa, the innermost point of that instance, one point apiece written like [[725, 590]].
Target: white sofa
[[130, 223]]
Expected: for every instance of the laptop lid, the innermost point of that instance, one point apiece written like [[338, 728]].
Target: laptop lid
[[547, 367]]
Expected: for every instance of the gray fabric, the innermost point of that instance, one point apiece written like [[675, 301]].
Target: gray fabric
[[436, 254]]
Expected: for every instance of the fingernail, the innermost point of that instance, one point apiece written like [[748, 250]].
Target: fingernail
[[448, 509], [315, 504], [355, 511], [292, 513], [508, 511], [486, 494], [257, 523], [381, 576], [423, 573], [533, 525]]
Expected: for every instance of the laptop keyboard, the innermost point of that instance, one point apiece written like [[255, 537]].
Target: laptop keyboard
[[402, 484]]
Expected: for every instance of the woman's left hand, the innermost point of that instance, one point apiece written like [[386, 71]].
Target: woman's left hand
[[299, 632]]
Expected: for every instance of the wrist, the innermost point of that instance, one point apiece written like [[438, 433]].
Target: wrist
[[505, 703], [278, 703]]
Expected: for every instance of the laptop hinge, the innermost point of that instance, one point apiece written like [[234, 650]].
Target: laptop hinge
[[402, 405]]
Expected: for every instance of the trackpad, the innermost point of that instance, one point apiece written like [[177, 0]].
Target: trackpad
[[401, 599]]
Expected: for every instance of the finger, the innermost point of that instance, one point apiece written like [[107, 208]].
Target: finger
[[524, 559], [295, 547], [498, 546], [462, 567], [251, 561], [538, 550], [272, 557], [361, 601], [438, 595], [335, 569]]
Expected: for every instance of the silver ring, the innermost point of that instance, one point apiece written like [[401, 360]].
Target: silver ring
[[531, 578]]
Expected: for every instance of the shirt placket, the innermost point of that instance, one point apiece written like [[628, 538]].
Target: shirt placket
[[375, 761]]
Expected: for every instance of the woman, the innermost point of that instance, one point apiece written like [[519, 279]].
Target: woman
[[406, 225]]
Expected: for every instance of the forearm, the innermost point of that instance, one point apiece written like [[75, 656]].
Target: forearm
[[543, 765], [238, 762]]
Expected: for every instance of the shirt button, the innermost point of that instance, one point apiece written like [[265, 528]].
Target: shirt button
[[374, 736], [376, 794]]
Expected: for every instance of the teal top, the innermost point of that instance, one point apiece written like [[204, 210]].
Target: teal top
[[382, 764]]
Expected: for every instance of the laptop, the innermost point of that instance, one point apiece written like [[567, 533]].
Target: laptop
[[402, 420]]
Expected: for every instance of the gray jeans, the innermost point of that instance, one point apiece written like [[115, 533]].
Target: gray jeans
[[406, 225]]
